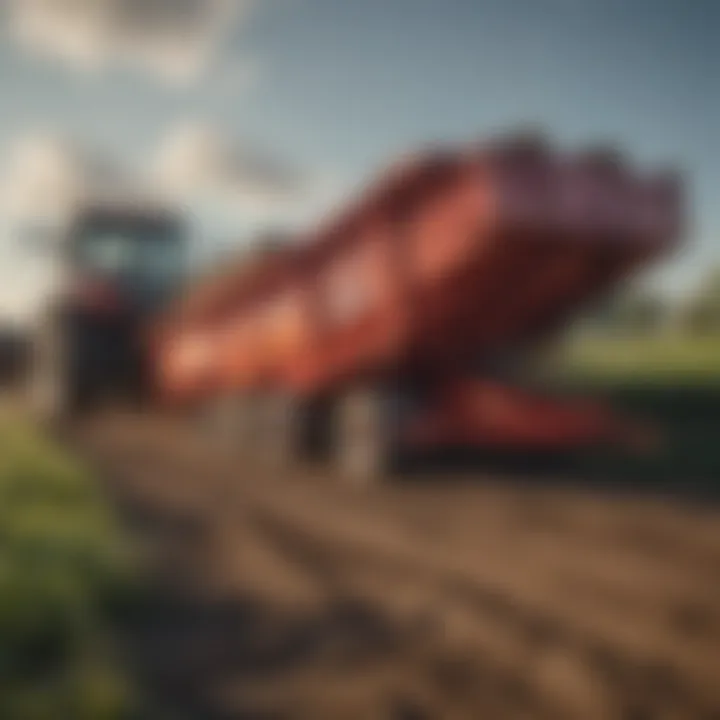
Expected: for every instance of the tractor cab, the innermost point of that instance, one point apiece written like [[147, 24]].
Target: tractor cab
[[115, 267], [130, 260]]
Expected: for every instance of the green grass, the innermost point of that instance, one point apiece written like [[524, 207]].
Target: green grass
[[673, 383], [63, 566], [674, 360]]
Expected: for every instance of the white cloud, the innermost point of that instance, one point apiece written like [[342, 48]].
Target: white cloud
[[197, 161], [174, 39], [43, 178], [45, 175]]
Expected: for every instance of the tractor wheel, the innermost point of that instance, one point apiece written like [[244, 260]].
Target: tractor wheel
[[58, 389]]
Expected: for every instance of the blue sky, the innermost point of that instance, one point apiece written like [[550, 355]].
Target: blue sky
[[337, 87]]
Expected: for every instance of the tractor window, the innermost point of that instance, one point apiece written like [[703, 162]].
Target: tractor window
[[146, 257], [149, 252], [108, 253]]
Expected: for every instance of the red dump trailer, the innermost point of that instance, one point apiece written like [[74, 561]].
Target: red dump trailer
[[395, 324]]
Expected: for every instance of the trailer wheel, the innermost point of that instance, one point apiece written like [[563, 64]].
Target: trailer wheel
[[57, 388], [366, 433], [230, 421], [280, 431]]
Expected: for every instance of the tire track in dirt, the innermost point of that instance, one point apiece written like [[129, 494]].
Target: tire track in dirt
[[358, 604], [608, 566], [541, 618], [606, 574]]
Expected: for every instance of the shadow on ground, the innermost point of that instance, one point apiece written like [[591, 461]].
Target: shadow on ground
[[684, 466], [183, 649], [201, 654]]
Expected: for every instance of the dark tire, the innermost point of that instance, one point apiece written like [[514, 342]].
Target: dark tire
[[58, 389], [366, 436], [230, 422], [280, 431]]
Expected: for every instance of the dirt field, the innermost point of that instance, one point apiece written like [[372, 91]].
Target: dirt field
[[441, 598]]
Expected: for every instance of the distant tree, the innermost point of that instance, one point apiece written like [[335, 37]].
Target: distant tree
[[701, 315], [629, 312]]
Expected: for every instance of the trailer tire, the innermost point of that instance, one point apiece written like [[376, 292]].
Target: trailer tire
[[229, 421], [280, 431], [366, 436]]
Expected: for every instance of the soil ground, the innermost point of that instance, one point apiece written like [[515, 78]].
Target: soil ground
[[447, 597]]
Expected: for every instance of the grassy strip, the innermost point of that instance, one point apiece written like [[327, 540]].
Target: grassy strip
[[650, 360], [62, 568], [672, 382]]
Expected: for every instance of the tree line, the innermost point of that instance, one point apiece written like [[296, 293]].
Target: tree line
[[644, 311]]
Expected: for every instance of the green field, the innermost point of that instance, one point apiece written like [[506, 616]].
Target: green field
[[674, 383], [62, 569], [669, 360]]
